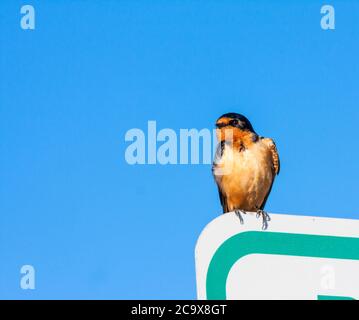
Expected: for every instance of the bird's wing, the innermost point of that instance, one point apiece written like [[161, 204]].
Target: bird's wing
[[275, 156], [218, 156], [276, 165], [223, 199]]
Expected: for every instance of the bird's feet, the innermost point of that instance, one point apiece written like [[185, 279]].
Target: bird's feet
[[265, 218], [239, 215]]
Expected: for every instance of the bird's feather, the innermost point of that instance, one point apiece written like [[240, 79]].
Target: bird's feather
[[218, 156], [276, 166]]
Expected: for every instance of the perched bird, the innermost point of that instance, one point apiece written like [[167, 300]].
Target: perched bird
[[244, 167]]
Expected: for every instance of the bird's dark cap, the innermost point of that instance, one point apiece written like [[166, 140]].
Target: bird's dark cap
[[243, 121]]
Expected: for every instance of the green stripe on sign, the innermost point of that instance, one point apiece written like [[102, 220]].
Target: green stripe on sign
[[334, 298], [276, 243]]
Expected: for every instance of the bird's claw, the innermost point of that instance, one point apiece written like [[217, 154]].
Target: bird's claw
[[239, 215], [265, 217]]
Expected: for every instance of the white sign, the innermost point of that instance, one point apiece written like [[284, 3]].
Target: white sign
[[297, 257]]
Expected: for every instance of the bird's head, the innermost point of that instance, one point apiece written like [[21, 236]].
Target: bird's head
[[231, 126]]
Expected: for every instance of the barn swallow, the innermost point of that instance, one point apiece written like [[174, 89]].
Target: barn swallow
[[244, 167]]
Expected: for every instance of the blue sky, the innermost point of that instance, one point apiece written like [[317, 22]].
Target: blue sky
[[94, 226]]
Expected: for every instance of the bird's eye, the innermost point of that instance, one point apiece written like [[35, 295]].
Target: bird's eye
[[234, 122]]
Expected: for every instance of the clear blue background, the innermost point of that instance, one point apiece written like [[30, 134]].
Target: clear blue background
[[95, 227]]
